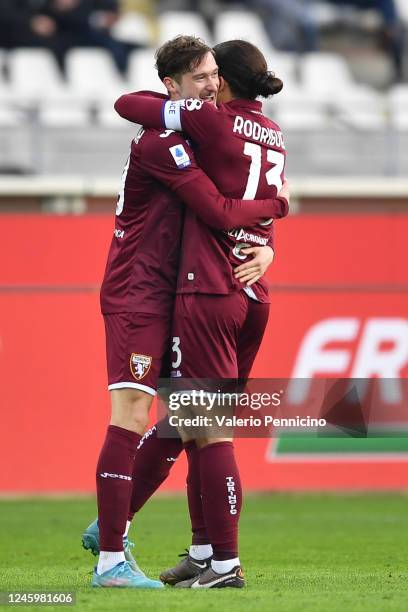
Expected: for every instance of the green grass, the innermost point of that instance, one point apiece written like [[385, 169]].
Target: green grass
[[300, 553]]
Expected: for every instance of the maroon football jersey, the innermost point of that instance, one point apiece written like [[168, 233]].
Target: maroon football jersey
[[243, 152], [161, 171], [141, 270]]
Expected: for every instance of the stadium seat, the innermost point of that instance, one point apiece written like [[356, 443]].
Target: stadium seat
[[9, 115], [64, 114], [108, 117], [295, 109], [92, 75], [284, 66], [133, 27], [241, 24], [172, 23], [325, 74], [141, 72], [325, 14], [34, 75], [398, 107], [327, 79], [5, 93], [329, 14], [402, 7], [2, 63], [360, 108]]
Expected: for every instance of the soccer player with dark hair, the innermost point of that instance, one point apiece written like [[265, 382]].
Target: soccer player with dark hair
[[219, 323], [138, 291]]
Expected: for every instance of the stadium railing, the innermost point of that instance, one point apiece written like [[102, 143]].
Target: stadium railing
[[78, 195]]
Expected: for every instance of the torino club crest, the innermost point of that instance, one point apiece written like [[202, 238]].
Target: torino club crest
[[140, 365]]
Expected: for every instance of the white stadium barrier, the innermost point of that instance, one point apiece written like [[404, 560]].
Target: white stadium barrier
[[74, 188]]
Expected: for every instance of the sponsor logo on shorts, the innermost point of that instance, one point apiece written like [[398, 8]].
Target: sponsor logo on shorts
[[140, 365]]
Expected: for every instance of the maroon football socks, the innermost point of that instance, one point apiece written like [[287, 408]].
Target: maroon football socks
[[195, 507], [114, 485], [221, 498], [155, 457]]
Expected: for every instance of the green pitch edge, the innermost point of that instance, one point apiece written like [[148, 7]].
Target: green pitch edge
[[389, 442]]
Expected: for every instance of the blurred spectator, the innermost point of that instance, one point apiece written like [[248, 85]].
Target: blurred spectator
[[207, 8], [290, 24], [59, 25], [393, 30]]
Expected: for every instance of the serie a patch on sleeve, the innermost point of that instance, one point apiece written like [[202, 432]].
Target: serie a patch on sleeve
[[180, 156]]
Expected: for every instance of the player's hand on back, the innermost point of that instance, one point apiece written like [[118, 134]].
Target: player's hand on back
[[252, 270]]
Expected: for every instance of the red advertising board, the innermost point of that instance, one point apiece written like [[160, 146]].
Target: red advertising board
[[339, 308]]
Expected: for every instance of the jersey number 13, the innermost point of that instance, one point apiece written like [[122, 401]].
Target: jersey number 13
[[273, 176]]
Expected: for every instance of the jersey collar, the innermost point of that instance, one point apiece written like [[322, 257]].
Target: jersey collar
[[254, 105]]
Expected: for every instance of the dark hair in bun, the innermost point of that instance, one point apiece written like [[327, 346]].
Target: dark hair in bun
[[244, 68], [266, 84]]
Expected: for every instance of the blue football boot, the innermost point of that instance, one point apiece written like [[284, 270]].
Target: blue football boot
[[90, 541], [122, 576]]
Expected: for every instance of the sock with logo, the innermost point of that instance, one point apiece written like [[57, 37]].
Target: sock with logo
[[155, 456], [195, 506], [114, 485], [221, 498]]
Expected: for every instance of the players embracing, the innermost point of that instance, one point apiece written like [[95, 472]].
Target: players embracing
[[221, 307]]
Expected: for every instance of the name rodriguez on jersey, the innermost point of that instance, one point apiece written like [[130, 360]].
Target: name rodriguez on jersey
[[252, 129]]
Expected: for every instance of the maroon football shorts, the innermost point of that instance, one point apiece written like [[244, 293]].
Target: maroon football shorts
[[216, 336], [136, 346]]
